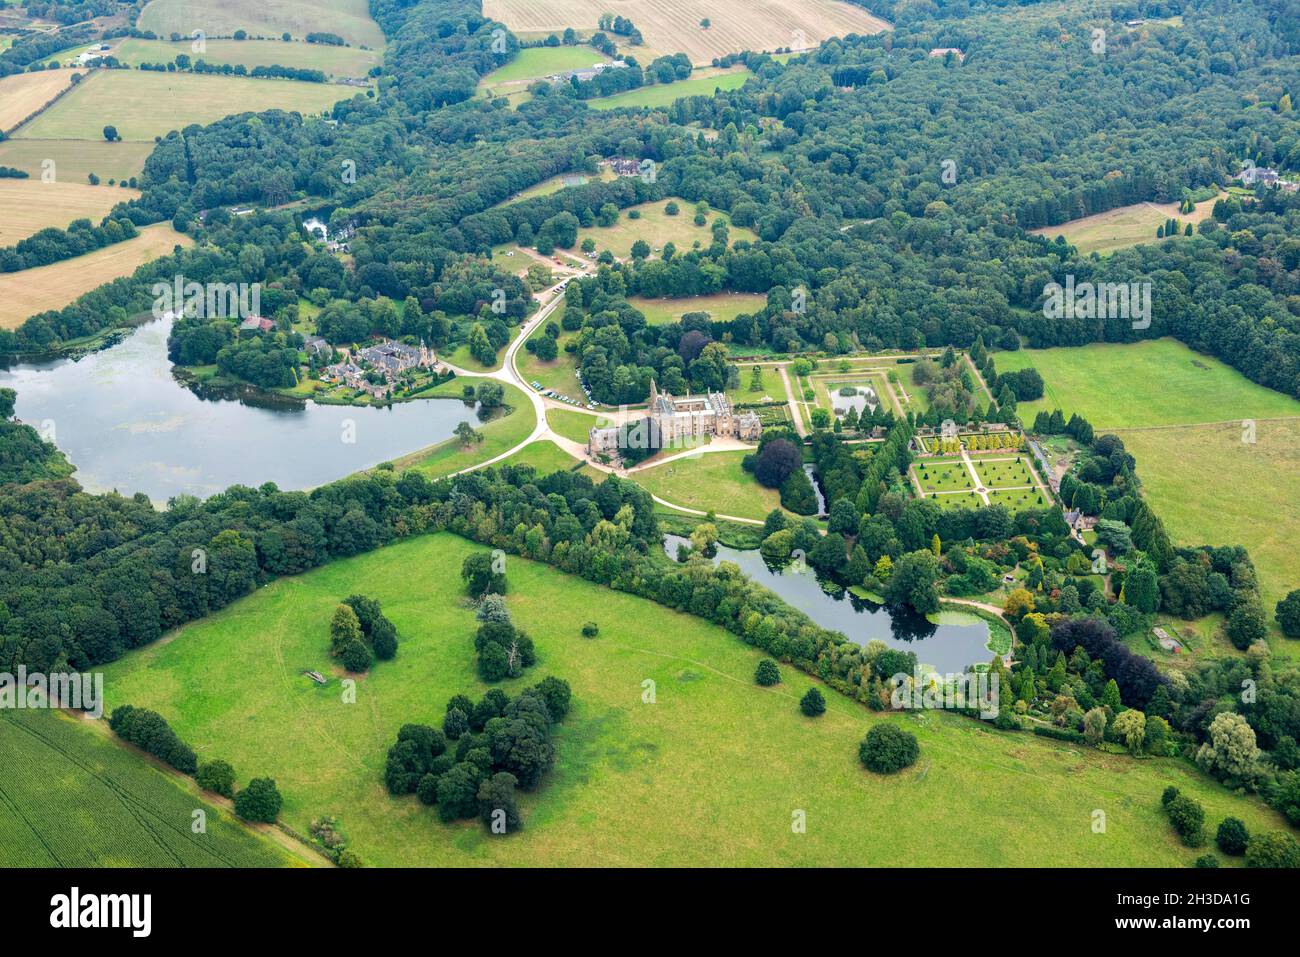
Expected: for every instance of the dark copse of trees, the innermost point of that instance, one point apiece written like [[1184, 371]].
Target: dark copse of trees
[[150, 732]]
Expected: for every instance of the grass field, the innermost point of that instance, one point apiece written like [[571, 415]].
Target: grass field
[[944, 475], [144, 105], [1183, 416], [30, 291], [656, 227], [573, 425], [332, 60], [72, 796], [537, 62], [74, 160], [28, 205], [675, 27], [701, 83], [710, 481], [546, 457], [1156, 382], [350, 19], [1212, 488], [556, 183], [708, 775], [23, 94], [499, 435], [1122, 227], [1004, 473], [721, 307]]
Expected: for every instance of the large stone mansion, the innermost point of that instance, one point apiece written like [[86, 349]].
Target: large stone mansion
[[675, 419]]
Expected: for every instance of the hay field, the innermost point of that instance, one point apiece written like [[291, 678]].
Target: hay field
[[28, 205], [30, 291], [673, 26], [332, 60], [144, 105], [350, 19], [74, 160], [23, 94]]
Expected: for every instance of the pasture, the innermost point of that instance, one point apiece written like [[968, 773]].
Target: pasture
[[675, 27], [74, 160], [1154, 382], [556, 183], [331, 60], [28, 205], [23, 94], [30, 291], [350, 19], [74, 796], [143, 105], [721, 306], [1126, 226], [534, 63], [656, 227], [709, 774], [702, 83]]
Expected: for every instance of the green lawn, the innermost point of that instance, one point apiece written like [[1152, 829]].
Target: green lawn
[[537, 62], [710, 481], [664, 94], [1211, 488], [1156, 382], [1008, 473], [721, 307], [331, 60], [546, 457], [73, 796], [710, 774], [946, 475], [574, 425], [143, 105], [499, 435]]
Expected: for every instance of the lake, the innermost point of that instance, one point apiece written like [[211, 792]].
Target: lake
[[126, 423], [948, 647]]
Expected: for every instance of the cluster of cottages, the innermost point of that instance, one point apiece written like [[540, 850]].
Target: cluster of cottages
[[674, 419], [388, 358]]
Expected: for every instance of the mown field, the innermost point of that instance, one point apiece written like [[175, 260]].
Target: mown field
[[1155, 382], [534, 63], [1124, 226], [350, 19], [709, 481], [573, 425], [721, 307], [1212, 488], [72, 796], [143, 105], [656, 227], [30, 291], [1185, 417], [675, 27], [701, 83], [75, 160], [710, 774], [556, 183], [546, 457], [29, 205], [23, 94], [332, 60]]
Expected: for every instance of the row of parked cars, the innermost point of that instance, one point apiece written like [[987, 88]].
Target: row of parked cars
[[559, 397]]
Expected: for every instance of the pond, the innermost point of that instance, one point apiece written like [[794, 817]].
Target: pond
[[126, 423], [863, 399], [958, 640]]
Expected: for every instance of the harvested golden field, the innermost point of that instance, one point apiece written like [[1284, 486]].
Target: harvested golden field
[[30, 291], [350, 19], [74, 160], [28, 205], [23, 94], [673, 26]]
